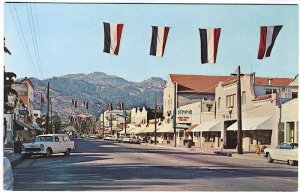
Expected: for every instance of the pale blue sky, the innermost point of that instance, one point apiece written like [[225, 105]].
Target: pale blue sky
[[70, 39]]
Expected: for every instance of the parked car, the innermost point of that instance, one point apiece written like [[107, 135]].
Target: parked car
[[120, 139], [131, 140], [108, 137], [94, 136], [8, 177], [114, 138], [48, 144], [283, 152]]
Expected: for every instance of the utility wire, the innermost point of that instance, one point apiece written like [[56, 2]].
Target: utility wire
[[22, 43], [24, 39], [34, 39]]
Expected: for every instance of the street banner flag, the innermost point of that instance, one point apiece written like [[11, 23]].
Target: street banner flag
[[268, 35], [121, 106], [74, 103], [209, 44], [159, 40], [112, 37], [109, 107]]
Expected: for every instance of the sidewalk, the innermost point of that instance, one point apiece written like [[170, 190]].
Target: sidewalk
[[231, 153], [15, 158]]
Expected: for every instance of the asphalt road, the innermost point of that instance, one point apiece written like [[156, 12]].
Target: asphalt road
[[103, 165]]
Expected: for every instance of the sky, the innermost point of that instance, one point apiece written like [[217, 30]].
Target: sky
[[55, 39]]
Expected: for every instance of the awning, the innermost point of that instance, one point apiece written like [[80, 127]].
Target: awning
[[137, 130], [182, 126], [166, 128], [22, 126], [150, 129], [256, 123], [128, 130], [208, 126], [191, 128]]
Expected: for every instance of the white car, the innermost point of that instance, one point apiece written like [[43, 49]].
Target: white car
[[108, 137], [8, 177], [48, 144], [283, 152], [131, 140]]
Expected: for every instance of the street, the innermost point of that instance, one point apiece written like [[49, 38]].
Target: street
[[104, 165]]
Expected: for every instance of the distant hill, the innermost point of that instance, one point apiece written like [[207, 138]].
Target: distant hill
[[94, 87]]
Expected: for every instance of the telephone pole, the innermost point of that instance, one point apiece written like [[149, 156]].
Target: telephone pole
[[51, 124], [174, 114], [155, 101], [239, 112], [47, 117], [41, 103]]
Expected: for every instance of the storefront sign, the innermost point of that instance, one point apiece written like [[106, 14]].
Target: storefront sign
[[184, 116]]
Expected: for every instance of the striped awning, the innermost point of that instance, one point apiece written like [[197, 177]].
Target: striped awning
[[208, 126], [255, 123]]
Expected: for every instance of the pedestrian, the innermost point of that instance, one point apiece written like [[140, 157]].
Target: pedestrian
[[257, 150]]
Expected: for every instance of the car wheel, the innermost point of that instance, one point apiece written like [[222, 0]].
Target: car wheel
[[48, 152], [68, 151], [270, 160], [291, 162]]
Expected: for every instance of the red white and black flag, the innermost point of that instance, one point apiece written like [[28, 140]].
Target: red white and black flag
[[109, 106], [209, 44], [121, 106], [112, 37], [74, 103], [159, 40], [268, 35]]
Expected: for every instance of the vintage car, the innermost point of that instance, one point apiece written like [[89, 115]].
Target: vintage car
[[108, 137], [283, 152], [48, 144], [131, 140]]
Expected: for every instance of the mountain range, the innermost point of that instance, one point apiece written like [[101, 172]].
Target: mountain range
[[92, 88]]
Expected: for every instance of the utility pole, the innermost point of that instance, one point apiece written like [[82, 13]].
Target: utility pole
[[41, 103], [174, 114], [111, 131], [239, 112], [51, 124], [103, 125], [155, 119], [47, 117], [124, 111]]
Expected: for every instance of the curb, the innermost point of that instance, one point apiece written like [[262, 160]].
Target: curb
[[222, 153], [17, 161]]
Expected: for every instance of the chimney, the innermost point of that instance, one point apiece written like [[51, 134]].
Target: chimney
[[270, 81]]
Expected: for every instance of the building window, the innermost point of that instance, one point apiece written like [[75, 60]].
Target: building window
[[294, 94], [219, 102], [268, 91], [243, 97], [227, 101], [233, 99]]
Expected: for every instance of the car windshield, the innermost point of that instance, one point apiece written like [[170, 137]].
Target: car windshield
[[44, 139], [294, 145]]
